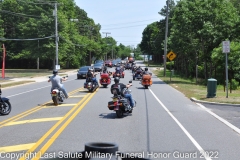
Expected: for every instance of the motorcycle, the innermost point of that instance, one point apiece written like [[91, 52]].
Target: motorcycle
[[57, 95], [128, 66], [146, 80], [105, 79], [90, 85], [120, 104], [137, 75], [5, 105]]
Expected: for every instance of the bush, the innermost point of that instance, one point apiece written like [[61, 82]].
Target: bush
[[234, 84], [170, 65]]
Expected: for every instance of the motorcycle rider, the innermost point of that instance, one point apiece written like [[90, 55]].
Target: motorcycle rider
[[122, 87], [146, 71], [106, 71], [57, 82], [91, 76]]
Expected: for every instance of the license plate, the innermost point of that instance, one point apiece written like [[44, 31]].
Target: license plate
[[54, 94], [115, 99], [84, 75]]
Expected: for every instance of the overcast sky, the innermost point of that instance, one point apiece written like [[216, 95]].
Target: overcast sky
[[124, 19]]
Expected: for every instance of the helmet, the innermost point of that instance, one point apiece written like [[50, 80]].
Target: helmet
[[116, 79], [146, 69], [55, 71]]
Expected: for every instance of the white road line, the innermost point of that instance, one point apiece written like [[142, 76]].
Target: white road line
[[181, 126], [220, 119], [33, 90]]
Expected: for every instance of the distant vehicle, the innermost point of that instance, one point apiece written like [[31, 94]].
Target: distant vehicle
[[114, 62], [83, 71], [98, 67], [99, 61], [108, 63]]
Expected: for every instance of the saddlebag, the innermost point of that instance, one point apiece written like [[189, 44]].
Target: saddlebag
[[110, 105]]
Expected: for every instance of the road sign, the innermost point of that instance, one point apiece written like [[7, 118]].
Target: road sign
[[57, 66], [171, 55], [226, 46]]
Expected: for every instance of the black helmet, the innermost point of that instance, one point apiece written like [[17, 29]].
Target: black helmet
[[55, 71], [146, 69], [116, 79]]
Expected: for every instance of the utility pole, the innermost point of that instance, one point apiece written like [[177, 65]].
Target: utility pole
[[56, 34], [165, 44], [106, 37]]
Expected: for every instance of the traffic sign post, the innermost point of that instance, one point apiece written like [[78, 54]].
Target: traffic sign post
[[171, 55], [226, 50]]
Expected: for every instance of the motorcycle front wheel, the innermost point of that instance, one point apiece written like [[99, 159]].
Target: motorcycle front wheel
[[5, 108], [55, 100]]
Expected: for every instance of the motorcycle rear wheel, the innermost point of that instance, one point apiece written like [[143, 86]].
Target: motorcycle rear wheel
[[55, 100], [5, 108], [146, 87], [119, 113]]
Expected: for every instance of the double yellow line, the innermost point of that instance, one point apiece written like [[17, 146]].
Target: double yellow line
[[68, 117], [24, 114]]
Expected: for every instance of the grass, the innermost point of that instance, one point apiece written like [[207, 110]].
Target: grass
[[153, 64], [190, 89], [30, 73], [17, 73]]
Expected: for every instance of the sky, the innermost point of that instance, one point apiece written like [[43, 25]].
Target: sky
[[124, 19]]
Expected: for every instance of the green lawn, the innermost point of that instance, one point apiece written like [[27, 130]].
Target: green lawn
[[190, 89]]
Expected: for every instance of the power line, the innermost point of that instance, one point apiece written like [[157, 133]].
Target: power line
[[20, 14], [31, 39], [43, 2], [128, 22], [125, 27]]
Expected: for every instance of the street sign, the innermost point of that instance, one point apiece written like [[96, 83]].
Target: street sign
[[226, 46], [57, 66], [171, 55]]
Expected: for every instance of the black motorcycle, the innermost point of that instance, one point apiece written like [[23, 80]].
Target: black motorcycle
[[90, 85], [120, 104], [5, 106]]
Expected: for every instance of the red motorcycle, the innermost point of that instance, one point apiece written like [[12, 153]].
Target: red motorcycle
[[105, 79], [119, 74]]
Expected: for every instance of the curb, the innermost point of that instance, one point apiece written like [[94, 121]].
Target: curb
[[214, 103]]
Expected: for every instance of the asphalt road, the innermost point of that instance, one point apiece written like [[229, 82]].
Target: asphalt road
[[164, 125]]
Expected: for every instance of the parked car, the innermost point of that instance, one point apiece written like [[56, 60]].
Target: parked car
[[108, 63], [83, 71], [98, 67]]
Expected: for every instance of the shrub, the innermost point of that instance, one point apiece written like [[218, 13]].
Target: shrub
[[234, 84], [170, 65]]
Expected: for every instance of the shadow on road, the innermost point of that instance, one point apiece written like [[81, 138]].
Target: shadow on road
[[112, 115]]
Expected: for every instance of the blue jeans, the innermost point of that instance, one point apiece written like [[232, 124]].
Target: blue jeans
[[129, 97], [95, 80]]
